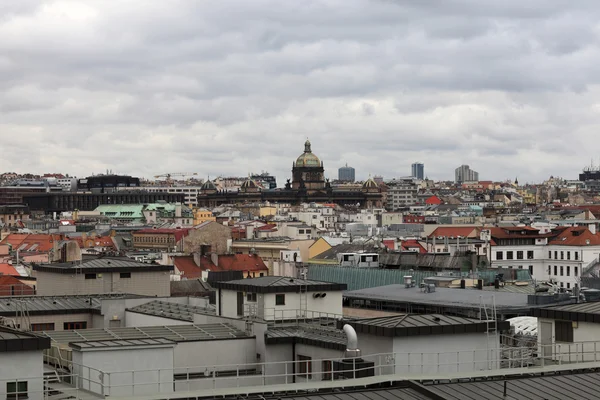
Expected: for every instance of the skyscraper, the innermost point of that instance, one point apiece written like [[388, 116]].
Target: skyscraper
[[418, 170], [346, 174], [465, 174]]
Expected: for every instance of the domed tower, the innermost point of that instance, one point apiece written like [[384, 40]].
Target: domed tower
[[208, 187], [308, 171], [249, 186], [370, 186]]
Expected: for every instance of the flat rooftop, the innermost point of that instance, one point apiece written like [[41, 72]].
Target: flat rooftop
[[175, 333], [41, 305], [466, 298], [181, 312]]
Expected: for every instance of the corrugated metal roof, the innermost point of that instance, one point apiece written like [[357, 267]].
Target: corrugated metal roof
[[182, 312], [555, 387], [122, 343], [386, 394], [362, 278], [441, 296], [176, 333]]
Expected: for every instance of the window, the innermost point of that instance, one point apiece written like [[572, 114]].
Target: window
[[530, 254], [509, 255], [575, 270], [562, 255], [304, 366], [301, 231], [519, 255], [568, 285], [42, 327], [90, 276], [568, 255], [562, 270], [124, 275], [556, 255], [16, 390], [550, 255], [576, 255], [563, 331], [555, 270], [531, 270], [498, 255], [251, 297], [280, 299], [74, 325], [568, 271]]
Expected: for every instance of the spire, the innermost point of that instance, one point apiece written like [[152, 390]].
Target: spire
[[307, 146]]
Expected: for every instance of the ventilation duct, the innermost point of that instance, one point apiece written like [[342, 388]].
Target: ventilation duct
[[352, 346]]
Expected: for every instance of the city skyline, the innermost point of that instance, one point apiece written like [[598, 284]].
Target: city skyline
[[144, 89]]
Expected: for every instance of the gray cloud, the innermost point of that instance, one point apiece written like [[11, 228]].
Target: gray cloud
[[234, 86]]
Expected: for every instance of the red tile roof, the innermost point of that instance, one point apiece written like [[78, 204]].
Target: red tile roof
[[576, 236], [448, 231], [517, 232], [234, 262], [7, 269], [178, 233], [187, 266], [390, 244], [11, 286], [38, 243], [412, 244]]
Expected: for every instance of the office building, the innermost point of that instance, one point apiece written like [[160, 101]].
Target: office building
[[346, 174], [465, 174], [418, 170]]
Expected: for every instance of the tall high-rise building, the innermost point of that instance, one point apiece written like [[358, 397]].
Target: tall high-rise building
[[346, 174], [418, 170], [465, 174]]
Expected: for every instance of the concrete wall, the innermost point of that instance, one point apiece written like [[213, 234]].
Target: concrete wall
[[585, 346], [444, 353], [153, 367], [59, 320], [23, 366], [196, 356], [266, 308], [149, 283]]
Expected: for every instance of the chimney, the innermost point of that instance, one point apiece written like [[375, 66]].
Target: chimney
[[214, 258], [178, 210]]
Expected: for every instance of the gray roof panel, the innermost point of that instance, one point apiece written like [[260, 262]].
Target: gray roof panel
[[181, 312], [176, 333]]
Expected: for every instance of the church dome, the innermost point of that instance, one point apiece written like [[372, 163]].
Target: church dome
[[370, 184], [208, 185], [308, 159], [249, 184]]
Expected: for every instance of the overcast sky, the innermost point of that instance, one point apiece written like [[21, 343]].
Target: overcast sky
[[230, 87]]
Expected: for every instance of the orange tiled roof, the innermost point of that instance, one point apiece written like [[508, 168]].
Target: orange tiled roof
[[7, 269], [448, 231], [576, 236], [187, 266], [234, 262]]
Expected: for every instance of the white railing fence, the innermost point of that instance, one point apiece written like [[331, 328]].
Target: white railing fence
[[413, 365]]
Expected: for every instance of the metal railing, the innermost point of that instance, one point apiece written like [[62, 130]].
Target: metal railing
[[401, 366], [275, 316]]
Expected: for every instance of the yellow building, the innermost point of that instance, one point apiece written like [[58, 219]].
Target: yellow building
[[319, 246], [201, 215]]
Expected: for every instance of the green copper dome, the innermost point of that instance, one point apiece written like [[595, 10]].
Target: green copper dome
[[308, 159]]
